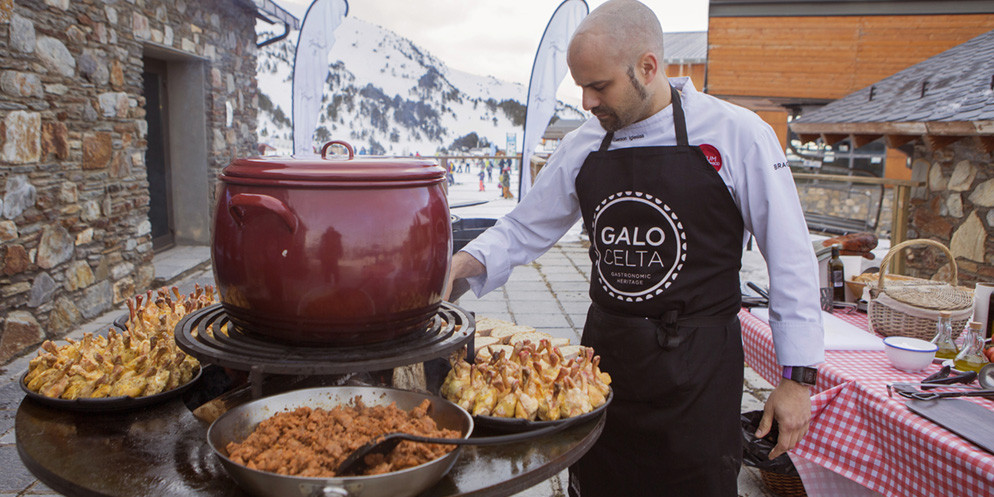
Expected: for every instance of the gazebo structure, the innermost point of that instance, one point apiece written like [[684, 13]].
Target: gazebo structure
[[940, 112]]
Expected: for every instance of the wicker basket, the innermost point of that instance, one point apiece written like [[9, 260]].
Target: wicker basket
[[911, 309], [783, 485]]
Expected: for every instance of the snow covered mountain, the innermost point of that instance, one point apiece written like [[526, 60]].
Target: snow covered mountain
[[388, 97]]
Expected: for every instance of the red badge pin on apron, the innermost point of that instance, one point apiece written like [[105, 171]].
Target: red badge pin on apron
[[712, 155]]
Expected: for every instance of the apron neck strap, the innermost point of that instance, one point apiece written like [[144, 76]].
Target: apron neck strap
[[679, 121], [607, 141]]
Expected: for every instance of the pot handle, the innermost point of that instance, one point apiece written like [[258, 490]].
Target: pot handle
[[329, 490], [243, 201], [324, 149]]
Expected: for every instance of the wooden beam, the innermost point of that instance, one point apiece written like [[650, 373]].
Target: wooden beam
[[861, 140], [945, 128], [808, 137], [986, 143], [832, 139], [901, 128], [937, 142], [895, 141], [951, 128], [899, 224], [865, 128]]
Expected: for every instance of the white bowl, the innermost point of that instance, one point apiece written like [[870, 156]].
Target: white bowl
[[909, 354]]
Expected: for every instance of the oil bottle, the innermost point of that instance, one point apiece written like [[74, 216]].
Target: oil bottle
[[971, 357], [944, 337], [836, 276]]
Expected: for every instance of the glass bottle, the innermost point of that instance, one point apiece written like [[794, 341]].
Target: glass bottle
[[836, 276], [971, 357], [944, 337], [989, 332]]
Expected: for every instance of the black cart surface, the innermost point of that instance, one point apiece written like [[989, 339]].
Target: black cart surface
[[163, 450]]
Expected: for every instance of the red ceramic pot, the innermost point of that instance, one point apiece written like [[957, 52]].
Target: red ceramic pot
[[332, 251]]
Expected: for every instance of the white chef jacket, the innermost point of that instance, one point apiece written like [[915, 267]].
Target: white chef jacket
[[754, 169]]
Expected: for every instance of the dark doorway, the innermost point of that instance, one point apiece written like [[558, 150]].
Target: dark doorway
[[160, 213]]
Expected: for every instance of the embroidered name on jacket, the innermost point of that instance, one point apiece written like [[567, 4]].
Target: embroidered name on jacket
[[628, 138], [637, 261]]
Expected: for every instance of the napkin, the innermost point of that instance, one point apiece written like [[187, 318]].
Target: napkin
[[839, 335]]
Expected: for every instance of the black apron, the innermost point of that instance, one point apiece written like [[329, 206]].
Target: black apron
[[666, 247]]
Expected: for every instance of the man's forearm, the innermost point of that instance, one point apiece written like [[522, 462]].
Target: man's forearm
[[465, 266]]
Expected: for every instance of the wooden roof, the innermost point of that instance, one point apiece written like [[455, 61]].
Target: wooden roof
[[819, 8], [945, 98]]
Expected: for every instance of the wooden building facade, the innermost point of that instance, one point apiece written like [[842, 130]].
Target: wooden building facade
[[782, 58]]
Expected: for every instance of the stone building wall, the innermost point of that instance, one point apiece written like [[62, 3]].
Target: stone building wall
[[851, 202], [955, 208], [74, 229]]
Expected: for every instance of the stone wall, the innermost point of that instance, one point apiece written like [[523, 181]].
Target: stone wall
[[851, 202], [955, 209], [74, 230]]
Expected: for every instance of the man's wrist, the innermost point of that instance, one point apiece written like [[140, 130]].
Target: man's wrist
[[801, 374]]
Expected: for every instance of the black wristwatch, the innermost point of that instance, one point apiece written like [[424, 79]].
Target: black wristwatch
[[803, 375]]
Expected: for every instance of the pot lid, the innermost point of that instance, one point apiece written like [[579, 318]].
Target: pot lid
[[336, 169]]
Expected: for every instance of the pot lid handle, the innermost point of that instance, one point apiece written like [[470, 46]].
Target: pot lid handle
[[324, 149]]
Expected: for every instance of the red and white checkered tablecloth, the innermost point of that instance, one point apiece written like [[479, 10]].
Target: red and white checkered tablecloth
[[858, 432]]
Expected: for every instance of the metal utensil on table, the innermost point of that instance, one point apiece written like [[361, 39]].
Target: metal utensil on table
[[986, 376], [355, 463], [848, 307], [944, 379], [941, 373], [946, 395], [908, 390], [763, 300], [762, 293]]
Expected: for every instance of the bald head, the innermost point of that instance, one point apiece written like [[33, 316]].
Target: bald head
[[615, 57], [624, 29]]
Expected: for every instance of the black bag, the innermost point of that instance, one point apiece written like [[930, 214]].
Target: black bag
[[756, 451]]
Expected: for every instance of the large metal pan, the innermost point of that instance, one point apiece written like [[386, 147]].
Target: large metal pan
[[236, 424]]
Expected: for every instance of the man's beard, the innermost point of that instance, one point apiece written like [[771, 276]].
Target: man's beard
[[639, 89], [611, 120]]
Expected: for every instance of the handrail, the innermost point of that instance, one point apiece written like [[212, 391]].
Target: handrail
[[865, 180]]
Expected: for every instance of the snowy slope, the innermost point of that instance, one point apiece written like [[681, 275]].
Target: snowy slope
[[387, 96]]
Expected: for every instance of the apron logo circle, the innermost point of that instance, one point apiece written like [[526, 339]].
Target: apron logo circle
[[640, 245], [712, 155]]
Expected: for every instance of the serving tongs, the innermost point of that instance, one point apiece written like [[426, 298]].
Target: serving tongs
[[909, 391], [944, 378], [356, 462]]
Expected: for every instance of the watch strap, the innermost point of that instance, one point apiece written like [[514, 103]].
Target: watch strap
[[801, 374]]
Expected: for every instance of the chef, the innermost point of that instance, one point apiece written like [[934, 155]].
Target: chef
[[667, 180]]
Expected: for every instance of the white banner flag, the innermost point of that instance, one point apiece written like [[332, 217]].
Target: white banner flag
[[310, 68], [548, 72]]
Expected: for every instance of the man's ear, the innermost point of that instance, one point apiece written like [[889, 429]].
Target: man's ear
[[648, 67]]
